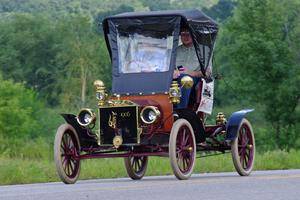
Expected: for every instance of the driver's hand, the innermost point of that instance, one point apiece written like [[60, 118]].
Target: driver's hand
[[176, 74], [184, 71]]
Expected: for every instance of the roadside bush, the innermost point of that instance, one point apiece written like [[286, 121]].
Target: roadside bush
[[17, 108], [22, 113]]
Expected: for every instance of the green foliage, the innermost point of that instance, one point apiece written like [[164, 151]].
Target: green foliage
[[82, 58], [49, 56], [53, 48], [121, 9], [60, 8], [17, 109], [22, 113], [198, 4], [261, 64], [49, 45], [222, 10], [28, 52], [157, 4]]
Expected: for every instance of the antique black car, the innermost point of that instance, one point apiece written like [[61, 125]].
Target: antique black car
[[138, 118]]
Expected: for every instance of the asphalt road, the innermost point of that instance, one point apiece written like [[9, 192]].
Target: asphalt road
[[262, 185]]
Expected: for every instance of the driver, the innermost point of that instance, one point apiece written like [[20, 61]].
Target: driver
[[187, 64]]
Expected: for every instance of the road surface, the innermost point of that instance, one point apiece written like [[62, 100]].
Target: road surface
[[260, 185]]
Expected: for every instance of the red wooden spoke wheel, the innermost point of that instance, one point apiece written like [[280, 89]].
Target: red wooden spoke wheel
[[243, 149], [66, 152], [136, 166], [182, 149]]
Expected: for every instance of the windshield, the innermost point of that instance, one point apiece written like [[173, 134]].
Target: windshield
[[139, 53]]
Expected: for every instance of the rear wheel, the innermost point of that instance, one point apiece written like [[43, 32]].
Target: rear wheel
[[66, 152], [243, 149], [182, 149], [136, 166]]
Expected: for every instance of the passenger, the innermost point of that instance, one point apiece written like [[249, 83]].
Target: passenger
[[187, 64]]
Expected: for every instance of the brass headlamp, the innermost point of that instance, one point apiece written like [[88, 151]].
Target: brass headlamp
[[150, 114], [101, 94], [86, 117], [174, 93]]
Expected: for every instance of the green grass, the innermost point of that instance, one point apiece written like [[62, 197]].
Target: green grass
[[32, 170]]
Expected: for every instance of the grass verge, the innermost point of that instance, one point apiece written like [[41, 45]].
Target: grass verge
[[32, 170]]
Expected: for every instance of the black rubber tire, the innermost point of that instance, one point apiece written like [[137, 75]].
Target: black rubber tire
[[175, 152], [67, 167], [136, 166], [243, 156]]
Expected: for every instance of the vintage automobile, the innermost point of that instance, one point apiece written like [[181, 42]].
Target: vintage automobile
[[138, 118]]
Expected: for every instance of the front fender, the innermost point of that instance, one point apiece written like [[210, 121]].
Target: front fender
[[233, 123], [85, 139], [71, 119]]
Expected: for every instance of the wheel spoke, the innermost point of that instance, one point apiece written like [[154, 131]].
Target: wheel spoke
[[183, 137], [243, 162], [62, 147], [68, 140], [242, 156], [139, 164], [241, 150], [65, 165], [188, 161], [247, 153], [179, 158], [246, 139], [68, 168], [135, 165], [178, 150], [71, 167], [64, 160], [186, 140], [246, 162], [184, 163], [181, 166], [65, 147], [240, 138]]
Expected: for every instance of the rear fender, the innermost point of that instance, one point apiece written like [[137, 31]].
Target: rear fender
[[233, 123]]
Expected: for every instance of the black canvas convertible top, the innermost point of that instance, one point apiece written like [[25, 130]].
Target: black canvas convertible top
[[193, 15], [193, 19], [158, 24]]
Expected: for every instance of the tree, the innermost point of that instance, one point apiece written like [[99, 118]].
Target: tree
[[222, 10], [157, 4], [82, 59], [101, 15], [260, 61], [28, 52]]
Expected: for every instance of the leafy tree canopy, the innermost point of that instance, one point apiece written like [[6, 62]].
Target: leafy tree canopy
[[260, 59]]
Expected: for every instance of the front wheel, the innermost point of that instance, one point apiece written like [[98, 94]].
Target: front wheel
[[182, 149], [136, 166], [66, 152], [243, 149]]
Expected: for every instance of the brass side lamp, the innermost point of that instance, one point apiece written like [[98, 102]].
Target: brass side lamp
[[101, 94]]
